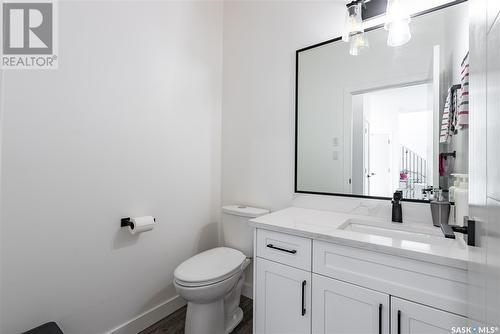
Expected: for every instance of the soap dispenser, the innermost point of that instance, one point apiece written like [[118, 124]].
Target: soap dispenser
[[462, 199], [440, 209]]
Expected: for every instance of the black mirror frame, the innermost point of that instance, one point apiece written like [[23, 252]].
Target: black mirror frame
[[297, 191]]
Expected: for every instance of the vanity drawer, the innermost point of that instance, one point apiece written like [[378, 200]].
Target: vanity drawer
[[284, 248], [427, 283]]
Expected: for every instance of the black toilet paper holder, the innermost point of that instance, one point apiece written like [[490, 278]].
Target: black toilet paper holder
[[124, 222]]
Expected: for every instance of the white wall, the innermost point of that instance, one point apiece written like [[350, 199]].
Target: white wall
[[260, 39], [128, 125]]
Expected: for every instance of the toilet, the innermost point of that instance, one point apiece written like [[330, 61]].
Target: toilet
[[211, 281]]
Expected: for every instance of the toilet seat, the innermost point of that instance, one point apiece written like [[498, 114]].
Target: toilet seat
[[210, 267]]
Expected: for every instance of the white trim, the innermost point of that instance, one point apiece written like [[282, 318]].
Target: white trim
[[436, 111], [150, 317]]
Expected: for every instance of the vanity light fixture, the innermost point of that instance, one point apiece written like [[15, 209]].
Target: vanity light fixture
[[397, 22], [354, 32]]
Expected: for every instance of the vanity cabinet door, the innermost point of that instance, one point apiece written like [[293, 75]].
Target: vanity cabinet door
[[412, 318], [341, 308], [283, 299]]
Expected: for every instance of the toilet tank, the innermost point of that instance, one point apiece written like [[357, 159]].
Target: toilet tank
[[236, 233]]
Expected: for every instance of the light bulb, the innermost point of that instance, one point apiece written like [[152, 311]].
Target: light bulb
[[399, 33], [395, 11], [358, 42], [397, 22]]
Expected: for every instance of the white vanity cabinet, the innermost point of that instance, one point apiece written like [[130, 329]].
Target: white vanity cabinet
[[341, 307], [412, 318], [283, 299], [311, 286]]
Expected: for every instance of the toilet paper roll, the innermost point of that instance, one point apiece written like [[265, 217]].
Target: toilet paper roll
[[141, 224]]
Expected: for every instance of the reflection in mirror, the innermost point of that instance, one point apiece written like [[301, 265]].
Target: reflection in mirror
[[392, 141], [370, 130]]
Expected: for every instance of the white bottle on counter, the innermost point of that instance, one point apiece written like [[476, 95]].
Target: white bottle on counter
[[461, 194], [451, 190]]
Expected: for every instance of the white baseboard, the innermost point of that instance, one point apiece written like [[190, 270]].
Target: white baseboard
[[247, 290], [155, 314], [150, 317]]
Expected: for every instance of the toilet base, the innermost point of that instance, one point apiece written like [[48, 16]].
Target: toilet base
[[234, 321], [208, 318], [205, 318]]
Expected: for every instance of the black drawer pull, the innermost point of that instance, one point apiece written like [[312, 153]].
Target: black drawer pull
[[303, 298], [379, 318], [399, 322], [293, 251]]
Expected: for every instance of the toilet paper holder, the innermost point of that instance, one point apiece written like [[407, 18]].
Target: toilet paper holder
[[125, 222]]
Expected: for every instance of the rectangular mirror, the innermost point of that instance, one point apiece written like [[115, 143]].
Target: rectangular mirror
[[391, 118]]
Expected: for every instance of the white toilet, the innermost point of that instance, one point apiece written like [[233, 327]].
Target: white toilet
[[211, 281]]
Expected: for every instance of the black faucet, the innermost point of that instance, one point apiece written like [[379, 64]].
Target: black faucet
[[468, 230], [397, 210]]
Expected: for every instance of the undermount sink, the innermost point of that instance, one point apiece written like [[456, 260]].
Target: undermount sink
[[417, 233]]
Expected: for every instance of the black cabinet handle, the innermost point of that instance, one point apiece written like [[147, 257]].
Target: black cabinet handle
[[303, 298], [379, 318], [399, 322], [292, 251]]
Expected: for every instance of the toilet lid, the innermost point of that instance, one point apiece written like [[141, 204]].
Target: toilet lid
[[210, 266]]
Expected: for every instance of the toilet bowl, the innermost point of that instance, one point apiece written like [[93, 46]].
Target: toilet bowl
[[211, 281], [211, 284]]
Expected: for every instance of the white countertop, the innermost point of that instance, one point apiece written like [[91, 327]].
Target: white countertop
[[324, 225]]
